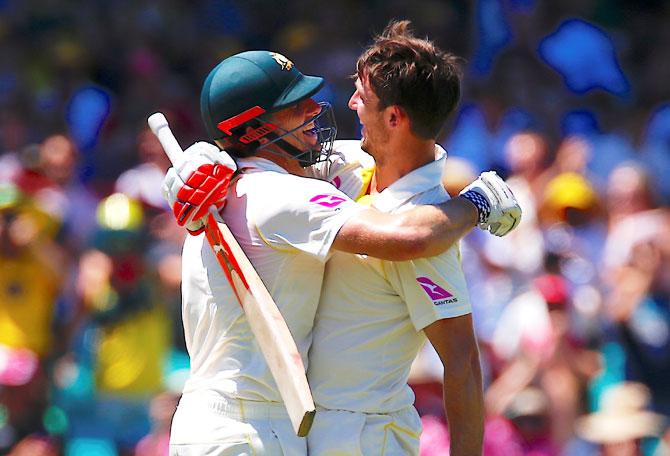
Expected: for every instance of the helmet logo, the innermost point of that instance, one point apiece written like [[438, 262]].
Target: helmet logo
[[259, 132], [282, 61]]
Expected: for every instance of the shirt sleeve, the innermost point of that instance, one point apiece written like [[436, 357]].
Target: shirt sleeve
[[433, 288], [304, 215]]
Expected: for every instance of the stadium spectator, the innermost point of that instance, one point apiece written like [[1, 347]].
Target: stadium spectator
[[621, 423], [122, 313], [30, 277]]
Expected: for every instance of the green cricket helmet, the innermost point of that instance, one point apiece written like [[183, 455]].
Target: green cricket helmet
[[243, 89]]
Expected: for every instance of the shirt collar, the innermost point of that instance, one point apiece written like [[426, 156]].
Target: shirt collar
[[417, 181]]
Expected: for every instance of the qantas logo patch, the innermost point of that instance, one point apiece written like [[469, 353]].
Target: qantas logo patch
[[435, 292], [326, 200]]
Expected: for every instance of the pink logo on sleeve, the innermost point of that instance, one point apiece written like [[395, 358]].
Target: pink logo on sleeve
[[434, 291], [327, 200]]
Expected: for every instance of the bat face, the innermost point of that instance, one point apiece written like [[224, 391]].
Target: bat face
[[223, 254], [267, 324]]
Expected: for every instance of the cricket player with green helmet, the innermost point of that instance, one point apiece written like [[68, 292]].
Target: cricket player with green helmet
[[257, 106]]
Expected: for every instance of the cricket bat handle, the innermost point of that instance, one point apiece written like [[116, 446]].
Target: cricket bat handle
[[159, 126]]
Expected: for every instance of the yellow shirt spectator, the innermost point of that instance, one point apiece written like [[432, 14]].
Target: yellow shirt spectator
[[131, 354], [28, 292]]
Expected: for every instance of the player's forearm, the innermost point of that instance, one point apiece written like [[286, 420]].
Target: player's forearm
[[464, 407], [422, 232], [443, 225]]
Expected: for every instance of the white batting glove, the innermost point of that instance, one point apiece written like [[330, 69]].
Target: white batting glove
[[200, 179], [499, 211]]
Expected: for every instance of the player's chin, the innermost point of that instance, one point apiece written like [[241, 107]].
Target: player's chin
[[310, 138], [365, 144]]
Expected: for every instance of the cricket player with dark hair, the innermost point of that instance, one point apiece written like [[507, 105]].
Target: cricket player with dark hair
[[374, 315], [258, 107]]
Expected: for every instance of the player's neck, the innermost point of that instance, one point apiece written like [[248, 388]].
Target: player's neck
[[290, 164], [400, 159]]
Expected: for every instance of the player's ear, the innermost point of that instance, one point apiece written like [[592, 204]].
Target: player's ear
[[395, 115]]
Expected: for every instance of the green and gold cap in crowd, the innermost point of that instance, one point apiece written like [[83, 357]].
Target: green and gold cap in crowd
[[10, 196], [120, 225]]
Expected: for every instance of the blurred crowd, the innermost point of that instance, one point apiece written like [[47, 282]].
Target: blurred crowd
[[572, 310], [92, 355]]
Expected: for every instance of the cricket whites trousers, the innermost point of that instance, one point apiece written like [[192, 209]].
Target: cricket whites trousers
[[211, 424], [345, 433]]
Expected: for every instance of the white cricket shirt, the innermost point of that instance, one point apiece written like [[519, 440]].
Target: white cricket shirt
[[368, 327], [286, 225]]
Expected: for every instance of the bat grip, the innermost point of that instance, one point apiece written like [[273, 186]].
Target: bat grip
[[159, 126]]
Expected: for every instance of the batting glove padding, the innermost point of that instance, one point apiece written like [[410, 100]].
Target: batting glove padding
[[498, 210], [198, 181]]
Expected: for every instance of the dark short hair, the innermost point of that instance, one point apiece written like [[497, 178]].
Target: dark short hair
[[414, 74]]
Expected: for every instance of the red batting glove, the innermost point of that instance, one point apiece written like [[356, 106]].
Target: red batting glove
[[207, 185], [197, 182]]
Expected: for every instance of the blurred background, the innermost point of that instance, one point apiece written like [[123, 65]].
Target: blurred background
[[568, 100]]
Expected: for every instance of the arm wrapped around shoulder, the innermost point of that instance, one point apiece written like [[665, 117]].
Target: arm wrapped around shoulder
[[499, 211], [199, 180]]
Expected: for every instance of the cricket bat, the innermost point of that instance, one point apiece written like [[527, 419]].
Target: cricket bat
[[267, 323]]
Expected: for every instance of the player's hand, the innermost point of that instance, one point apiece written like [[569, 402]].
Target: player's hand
[[199, 180], [499, 211]]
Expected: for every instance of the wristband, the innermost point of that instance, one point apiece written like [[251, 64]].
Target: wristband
[[482, 205]]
